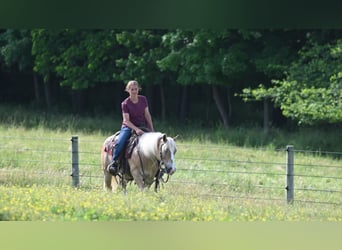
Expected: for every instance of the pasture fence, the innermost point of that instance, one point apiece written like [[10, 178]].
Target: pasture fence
[[75, 171], [198, 174], [289, 174]]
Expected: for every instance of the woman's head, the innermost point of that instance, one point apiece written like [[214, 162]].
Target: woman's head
[[132, 85]]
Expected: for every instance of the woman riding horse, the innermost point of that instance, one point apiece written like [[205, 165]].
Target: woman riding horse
[[136, 114], [152, 157]]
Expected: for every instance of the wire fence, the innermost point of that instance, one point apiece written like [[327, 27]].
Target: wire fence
[[207, 171]]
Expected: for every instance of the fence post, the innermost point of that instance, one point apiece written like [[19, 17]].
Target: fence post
[[74, 165], [289, 174]]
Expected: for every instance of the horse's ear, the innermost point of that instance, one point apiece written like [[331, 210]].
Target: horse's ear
[[175, 138]]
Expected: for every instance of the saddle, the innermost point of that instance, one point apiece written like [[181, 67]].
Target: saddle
[[130, 145]]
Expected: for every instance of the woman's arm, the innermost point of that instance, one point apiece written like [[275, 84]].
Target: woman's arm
[[148, 118], [129, 124]]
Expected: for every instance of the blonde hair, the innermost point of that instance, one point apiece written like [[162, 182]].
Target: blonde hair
[[130, 83]]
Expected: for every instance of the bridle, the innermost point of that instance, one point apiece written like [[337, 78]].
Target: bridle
[[161, 169]]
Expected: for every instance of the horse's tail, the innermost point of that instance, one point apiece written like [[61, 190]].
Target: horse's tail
[[110, 183], [103, 152]]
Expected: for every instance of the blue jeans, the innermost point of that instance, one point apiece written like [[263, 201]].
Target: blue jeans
[[125, 134]]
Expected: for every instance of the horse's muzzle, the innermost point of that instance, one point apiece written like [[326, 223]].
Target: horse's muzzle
[[170, 170]]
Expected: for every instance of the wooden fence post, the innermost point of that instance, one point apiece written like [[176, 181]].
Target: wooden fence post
[[75, 173], [289, 174]]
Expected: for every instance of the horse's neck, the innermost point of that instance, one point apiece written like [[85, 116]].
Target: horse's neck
[[148, 143]]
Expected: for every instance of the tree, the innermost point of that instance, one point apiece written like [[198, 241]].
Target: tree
[[274, 51], [215, 58], [79, 58], [16, 46], [311, 91], [46, 46], [141, 52], [88, 58]]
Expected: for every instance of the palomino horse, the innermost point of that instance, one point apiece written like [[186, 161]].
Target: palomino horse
[[151, 158]]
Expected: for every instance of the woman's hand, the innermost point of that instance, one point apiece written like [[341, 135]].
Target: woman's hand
[[138, 131]]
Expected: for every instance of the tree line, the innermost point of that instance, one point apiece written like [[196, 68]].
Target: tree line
[[230, 75]]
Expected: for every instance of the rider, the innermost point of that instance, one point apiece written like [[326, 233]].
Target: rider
[[136, 114]]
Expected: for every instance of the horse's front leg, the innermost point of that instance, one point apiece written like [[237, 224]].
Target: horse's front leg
[[139, 180], [138, 177], [156, 185], [124, 185]]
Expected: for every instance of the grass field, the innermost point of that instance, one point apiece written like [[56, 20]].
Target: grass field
[[216, 180]]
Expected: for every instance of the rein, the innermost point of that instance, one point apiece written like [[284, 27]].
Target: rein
[[161, 171], [141, 163]]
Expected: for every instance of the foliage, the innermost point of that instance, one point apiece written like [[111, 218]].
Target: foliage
[[312, 90], [142, 50], [80, 58], [88, 60], [275, 50], [205, 56], [16, 48], [45, 48], [300, 70]]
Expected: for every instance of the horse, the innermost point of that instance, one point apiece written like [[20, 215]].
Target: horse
[[151, 158]]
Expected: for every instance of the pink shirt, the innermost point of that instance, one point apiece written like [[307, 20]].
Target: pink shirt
[[136, 111]]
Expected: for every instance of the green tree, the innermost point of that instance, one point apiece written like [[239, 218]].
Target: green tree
[[88, 58], [274, 51], [16, 46], [46, 46], [141, 50], [215, 58], [78, 58], [310, 92]]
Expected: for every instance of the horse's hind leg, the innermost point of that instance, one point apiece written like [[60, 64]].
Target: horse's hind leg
[[110, 182], [107, 183], [107, 180], [156, 185], [124, 185]]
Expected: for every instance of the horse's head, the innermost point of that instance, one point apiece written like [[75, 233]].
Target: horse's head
[[168, 150]]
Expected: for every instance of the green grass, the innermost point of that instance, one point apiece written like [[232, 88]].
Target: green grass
[[45, 203], [210, 184], [325, 138]]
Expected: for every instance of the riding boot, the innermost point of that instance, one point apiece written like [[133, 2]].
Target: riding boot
[[113, 167]]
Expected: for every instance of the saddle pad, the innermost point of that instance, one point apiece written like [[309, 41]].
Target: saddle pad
[[109, 144]]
